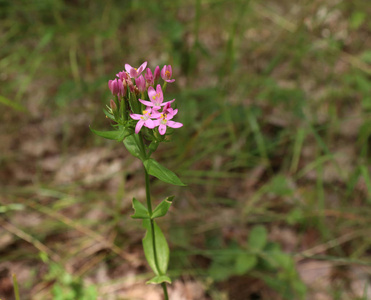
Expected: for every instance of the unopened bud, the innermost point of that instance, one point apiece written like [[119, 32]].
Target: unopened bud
[[156, 73], [141, 83], [136, 91], [113, 105]]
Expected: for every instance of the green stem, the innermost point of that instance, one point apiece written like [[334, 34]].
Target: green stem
[[148, 195], [164, 87], [15, 284], [165, 290], [149, 206]]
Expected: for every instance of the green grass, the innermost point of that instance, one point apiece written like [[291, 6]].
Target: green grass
[[275, 102]]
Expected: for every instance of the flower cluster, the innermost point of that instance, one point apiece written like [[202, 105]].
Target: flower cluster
[[149, 110]]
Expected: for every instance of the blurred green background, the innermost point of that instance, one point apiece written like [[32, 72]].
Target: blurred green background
[[275, 97]]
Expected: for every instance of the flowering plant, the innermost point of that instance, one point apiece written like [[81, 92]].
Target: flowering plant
[[142, 120]]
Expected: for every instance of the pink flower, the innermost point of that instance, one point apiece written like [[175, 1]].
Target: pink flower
[[141, 83], [116, 87], [144, 119], [122, 75], [156, 73], [166, 73], [134, 72], [113, 86], [167, 110], [164, 121], [149, 77], [156, 97]]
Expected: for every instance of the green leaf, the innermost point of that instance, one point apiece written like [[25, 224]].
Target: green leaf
[[245, 262], [258, 238], [162, 208], [159, 279], [109, 115], [155, 169], [117, 135], [12, 104], [140, 211], [162, 249], [131, 144]]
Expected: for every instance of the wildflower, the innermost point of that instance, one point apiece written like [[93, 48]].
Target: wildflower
[[141, 83], [134, 72], [156, 73], [144, 119], [167, 110], [149, 77], [166, 73], [156, 97], [165, 121], [113, 86], [122, 75], [117, 87]]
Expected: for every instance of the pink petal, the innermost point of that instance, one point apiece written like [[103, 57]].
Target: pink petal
[[156, 122], [142, 67], [170, 70], [159, 91], [135, 116], [145, 102], [162, 129], [133, 73], [155, 114], [170, 80], [163, 70], [128, 68], [151, 92], [171, 101], [173, 124], [156, 73], [139, 126], [149, 123]]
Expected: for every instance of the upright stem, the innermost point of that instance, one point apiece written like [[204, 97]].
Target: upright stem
[[149, 206], [165, 290], [16, 291], [148, 194]]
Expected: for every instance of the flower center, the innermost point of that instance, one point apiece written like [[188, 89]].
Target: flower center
[[163, 117], [156, 98], [146, 115], [167, 74]]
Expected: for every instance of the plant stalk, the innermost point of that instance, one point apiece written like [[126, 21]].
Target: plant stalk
[[15, 285], [149, 206]]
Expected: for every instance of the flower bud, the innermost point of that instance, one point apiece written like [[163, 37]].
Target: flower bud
[[122, 75], [141, 83], [156, 73], [149, 77], [113, 86], [113, 105], [120, 88]]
